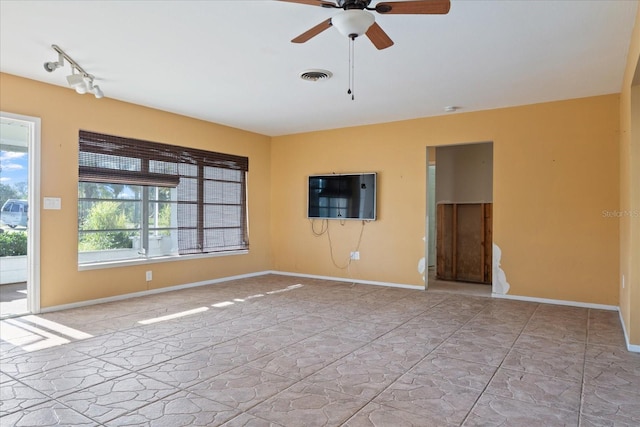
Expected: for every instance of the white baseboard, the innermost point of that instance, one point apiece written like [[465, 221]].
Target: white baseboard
[[150, 292], [557, 302], [213, 282], [346, 279], [631, 347]]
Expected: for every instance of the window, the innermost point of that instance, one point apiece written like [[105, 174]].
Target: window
[[140, 199]]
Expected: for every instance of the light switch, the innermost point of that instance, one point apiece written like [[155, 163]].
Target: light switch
[[52, 203]]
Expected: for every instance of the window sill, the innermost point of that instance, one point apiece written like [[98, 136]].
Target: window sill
[[155, 260]]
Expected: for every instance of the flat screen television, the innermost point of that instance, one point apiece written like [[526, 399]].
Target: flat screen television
[[342, 196]]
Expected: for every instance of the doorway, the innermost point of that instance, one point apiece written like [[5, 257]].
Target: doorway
[[19, 210], [459, 217]]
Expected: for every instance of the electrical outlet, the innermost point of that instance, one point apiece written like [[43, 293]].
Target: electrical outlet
[[355, 256], [149, 276]]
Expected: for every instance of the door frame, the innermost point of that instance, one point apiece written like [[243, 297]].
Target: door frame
[[33, 236], [429, 161]]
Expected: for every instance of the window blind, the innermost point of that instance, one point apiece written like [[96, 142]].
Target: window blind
[[211, 186]]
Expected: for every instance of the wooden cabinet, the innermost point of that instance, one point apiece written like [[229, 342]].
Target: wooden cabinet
[[464, 242]]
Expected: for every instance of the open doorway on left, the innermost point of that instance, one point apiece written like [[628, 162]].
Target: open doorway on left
[[16, 138]]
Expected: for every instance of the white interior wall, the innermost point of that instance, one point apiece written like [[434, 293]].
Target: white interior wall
[[464, 173]]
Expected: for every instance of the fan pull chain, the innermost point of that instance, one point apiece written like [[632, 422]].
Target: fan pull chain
[[352, 39]]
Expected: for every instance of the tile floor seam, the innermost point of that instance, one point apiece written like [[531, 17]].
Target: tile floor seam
[[231, 367], [459, 329], [613, 388], [416, 413], [364, 406], [148, 403], [584, 366], [537, 374], [101, 357], [521, 333], [48, 399], [247, 409], [299, 382], [546, 405], [303, 379], [484, 390], [81, 388], [78, 412], [407, 371], [19, 377]]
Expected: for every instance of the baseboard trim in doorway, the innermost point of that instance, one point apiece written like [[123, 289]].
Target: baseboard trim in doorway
[[151, 292], [349, 280]]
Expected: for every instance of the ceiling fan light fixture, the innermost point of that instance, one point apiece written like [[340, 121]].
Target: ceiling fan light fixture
[[353, 22]]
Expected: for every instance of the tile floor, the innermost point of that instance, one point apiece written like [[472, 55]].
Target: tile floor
[[286, 351]]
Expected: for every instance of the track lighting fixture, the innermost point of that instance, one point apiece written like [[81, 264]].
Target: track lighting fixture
[[79, 79]]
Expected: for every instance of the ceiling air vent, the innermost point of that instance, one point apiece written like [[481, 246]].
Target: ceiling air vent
[[315, 75]]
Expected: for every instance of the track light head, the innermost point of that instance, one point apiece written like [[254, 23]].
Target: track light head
[[51, 66], [97, 92], [76, 81]]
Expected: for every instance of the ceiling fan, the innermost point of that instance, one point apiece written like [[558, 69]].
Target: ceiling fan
[[356, 20]]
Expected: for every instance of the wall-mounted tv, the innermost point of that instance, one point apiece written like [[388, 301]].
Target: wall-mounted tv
[[342, 196]]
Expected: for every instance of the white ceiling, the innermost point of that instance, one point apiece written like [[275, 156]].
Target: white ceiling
[[231, 62]]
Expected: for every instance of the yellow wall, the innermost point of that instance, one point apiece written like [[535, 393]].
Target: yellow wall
[[556, 169], [62, 114], [630, 190]]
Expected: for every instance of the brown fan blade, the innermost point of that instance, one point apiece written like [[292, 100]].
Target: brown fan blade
[[426, 7], [312, 2], [378, 37], [312, 32]]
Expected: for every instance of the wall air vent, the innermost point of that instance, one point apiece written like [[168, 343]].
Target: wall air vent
[[315, 75]]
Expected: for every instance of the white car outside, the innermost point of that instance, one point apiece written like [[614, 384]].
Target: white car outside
[[15, 213]]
